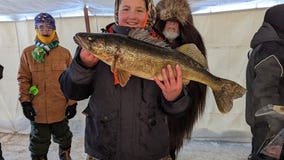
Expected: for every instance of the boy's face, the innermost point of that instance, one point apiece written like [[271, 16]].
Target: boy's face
[[132, 13], [44, 29]]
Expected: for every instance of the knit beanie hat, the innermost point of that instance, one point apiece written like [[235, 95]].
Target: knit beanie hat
[[45, 18], [275, 17]]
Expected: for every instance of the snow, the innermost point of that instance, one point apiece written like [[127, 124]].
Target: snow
[[15, 147]]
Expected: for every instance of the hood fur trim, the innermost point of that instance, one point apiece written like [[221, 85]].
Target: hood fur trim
[[174, 9]]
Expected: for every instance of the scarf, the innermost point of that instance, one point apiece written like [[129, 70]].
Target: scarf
[[42, 47]]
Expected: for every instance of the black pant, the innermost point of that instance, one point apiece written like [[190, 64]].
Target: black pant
[[41, 134], [1, 157]]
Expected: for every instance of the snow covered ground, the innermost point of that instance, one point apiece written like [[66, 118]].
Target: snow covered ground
[[15, 147]]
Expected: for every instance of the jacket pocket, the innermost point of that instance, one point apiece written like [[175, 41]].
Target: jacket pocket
[[152, 123], [107, 125], [155, 141], [107, 117]]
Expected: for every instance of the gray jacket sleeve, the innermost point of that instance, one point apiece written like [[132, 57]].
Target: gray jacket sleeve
[[266, 84]]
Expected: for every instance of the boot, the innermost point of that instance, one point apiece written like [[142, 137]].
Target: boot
[[64, 154], [42, 157]]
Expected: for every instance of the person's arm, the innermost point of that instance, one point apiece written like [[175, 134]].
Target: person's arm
[[24, 79], [175, 97], [180, 104], [25, 82], [76, 80]]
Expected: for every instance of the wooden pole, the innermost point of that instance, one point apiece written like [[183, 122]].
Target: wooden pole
[[87, 22]]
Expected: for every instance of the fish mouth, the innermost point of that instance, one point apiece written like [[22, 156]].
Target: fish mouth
[[79, 40]]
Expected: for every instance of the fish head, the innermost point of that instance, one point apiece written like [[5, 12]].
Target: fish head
[[96, 43]]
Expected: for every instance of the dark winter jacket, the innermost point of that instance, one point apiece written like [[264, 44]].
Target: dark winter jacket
[[265, 84], [123, 123]]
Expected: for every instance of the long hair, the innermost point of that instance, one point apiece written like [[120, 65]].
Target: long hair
[[181, 126]]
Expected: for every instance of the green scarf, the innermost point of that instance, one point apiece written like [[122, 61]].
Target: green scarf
[[41, 49]]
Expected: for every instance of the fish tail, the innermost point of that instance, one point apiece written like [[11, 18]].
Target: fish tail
[[225, 95]]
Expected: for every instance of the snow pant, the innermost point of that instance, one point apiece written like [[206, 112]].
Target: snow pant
[[41, 134]]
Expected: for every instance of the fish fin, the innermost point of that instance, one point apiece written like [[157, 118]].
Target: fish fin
[[123, 77], [115, 77], [224, 96], [145, 35], [114, 71], [120, 77], [192, 51]]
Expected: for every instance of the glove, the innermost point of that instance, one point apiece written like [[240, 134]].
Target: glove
[[71, 111], [28, 110]]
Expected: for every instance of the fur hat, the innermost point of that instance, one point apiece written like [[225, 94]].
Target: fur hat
[[174, 10], [45, 18], [275, 17], [151, 12]]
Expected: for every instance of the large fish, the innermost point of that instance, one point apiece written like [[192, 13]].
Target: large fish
[[130, 56]]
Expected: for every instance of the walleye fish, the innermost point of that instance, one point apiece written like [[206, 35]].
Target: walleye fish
[[130, 56]]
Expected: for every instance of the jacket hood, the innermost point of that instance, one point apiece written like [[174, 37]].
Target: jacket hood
[[274, 16], [151, 12], [265, 33], [174, 10]]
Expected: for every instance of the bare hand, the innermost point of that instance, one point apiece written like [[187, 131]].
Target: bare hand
[[88, 58], [171, 86]]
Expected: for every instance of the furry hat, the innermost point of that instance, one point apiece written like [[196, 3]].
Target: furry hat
[[174, 10], [151, 12], [275, 17]]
